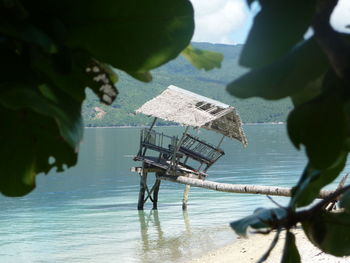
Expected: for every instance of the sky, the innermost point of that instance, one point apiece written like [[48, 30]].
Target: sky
[[228, 21]]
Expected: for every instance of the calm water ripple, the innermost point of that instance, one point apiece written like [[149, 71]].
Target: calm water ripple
[[88, 214]]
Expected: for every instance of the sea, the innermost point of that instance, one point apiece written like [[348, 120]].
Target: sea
[[89, 212]]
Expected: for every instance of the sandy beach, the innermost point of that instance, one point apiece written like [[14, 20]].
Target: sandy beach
[[249, 250]]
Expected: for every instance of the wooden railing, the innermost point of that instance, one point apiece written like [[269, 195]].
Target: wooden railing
[[157, 141], [200, 150], [191, 147]]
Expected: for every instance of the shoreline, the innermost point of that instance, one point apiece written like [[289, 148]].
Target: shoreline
[[249, 250], [165, 126]]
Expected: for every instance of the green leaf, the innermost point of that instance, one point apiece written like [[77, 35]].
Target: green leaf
[[28, 140], [142, 76], [12, 66], [202, 59], [101, 79], [290, 251], [259, 219], [17, 158], [287, 76], [44, 74], [134, 36], [310, 91], [313, 180], [38, 123], [278, 27], [304, 192], [50, 102], [30, 34], [320, 125], [329, 231], [344, 201], [13, 9], [84, 72], [63, 74]]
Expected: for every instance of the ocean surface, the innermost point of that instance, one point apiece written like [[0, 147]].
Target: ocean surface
[[88, 213]]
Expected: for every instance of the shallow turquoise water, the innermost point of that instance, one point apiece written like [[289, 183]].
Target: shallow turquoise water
[[88, 214]]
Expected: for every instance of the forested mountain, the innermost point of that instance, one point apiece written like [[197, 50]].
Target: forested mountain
[[181, 73]]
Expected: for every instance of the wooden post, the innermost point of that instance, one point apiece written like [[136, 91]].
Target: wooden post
[[155, 193], [176, 149], [220, 142], [185, 198], [146, 138], [237, 188], [143, 185]]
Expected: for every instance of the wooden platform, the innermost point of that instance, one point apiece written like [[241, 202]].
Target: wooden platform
[[154, 164]]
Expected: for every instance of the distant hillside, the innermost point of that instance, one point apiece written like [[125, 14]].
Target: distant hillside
[[182, 74]]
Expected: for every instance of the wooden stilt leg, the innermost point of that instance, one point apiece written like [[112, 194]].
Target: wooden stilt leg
[[143, 185], [155, 193], [185, 198]]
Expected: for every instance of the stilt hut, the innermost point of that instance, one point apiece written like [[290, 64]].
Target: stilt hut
[[185, 155]]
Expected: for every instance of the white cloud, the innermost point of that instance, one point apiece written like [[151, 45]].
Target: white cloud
[[341, 16], [216, 20]]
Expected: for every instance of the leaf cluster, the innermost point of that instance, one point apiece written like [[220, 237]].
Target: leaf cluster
[[51, 51], [313, 72]]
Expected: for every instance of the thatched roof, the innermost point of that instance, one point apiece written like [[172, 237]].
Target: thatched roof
[[190, 109]]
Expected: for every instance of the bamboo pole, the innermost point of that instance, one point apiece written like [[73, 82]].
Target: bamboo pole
[[236, 188]]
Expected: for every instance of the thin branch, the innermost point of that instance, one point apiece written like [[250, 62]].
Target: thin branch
[[273, 201], [272, 246], [293, 217], [330, 206], [305, 214], [329, 198]]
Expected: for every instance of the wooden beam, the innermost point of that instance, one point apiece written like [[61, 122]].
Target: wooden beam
[[155, 194], [236, 188], [149, 193]]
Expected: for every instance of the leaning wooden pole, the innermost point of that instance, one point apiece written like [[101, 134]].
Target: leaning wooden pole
[[236, 188], [185, 198]]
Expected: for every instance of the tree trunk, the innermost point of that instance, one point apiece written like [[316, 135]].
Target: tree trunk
[[236, 188]]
